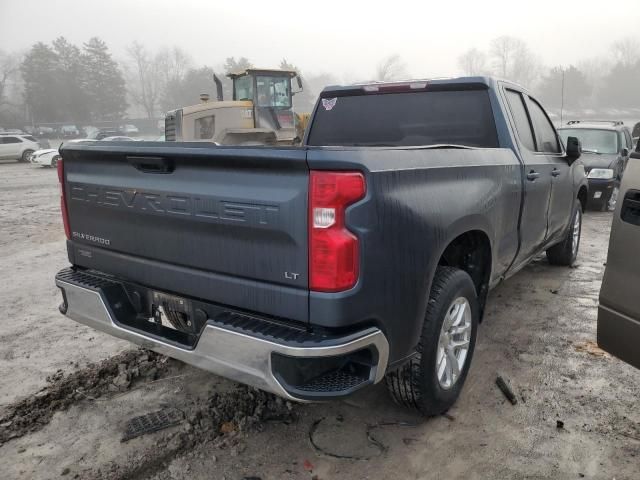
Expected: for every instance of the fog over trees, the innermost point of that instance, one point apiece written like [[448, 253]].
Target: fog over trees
[[64, 82]]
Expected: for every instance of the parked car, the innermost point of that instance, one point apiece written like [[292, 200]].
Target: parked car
[[130, 130], [17, 147], [619, 309], [47, 157], [104, 133], [118, 138], [636, 133], [47, 132], [317, 271], [605, 147], [89, 130], [69, 131]]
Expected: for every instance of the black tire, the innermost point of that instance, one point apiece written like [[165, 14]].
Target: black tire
[[564, 252], [25, 156], [54, 161], [416, 384]]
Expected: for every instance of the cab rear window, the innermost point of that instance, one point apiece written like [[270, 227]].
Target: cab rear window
[[405, 119]]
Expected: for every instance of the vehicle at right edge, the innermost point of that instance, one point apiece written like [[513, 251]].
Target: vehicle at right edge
[[619, 309], [605, 152]]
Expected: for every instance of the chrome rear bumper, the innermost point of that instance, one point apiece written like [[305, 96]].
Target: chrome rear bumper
[[244, 358]]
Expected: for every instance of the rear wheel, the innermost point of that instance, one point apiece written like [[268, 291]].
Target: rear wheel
[[432, 380], [566, 252], [54, 161], [26, 155]]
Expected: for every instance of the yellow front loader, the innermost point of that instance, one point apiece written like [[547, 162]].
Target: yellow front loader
[[260, 113]]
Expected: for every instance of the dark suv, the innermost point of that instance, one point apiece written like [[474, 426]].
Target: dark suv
[[605, 146]]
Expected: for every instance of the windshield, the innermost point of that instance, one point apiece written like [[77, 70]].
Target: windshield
[[593, 140], [406, 119], [243, 88], [274, 91]]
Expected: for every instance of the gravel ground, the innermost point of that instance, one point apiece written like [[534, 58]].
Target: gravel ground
[[66, 391]]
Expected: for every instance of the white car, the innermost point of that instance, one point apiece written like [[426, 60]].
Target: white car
[[129, 129], [118, 139], [47, 157], [17, 147]]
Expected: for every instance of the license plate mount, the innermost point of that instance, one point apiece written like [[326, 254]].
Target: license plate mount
[[172, 312]]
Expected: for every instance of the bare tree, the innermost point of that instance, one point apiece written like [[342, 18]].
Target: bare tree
[[173, 64], [145, 81], [503, 50], [513, 60], [627, 51], [9, 73], [391, 68], [473, 62]]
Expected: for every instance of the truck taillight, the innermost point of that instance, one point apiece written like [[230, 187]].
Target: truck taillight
[[333, 249], [63, 201]]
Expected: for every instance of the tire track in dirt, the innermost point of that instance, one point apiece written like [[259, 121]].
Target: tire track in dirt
[[114, 374]]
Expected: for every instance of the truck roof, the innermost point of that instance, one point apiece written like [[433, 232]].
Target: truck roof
[[468, 82], [595, 124]]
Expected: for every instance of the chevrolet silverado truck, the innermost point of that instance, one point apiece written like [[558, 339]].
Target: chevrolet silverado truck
[[314, 271]]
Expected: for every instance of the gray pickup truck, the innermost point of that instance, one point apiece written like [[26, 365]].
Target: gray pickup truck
[[314, 271]]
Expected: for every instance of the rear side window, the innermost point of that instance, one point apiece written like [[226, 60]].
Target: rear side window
[[546, 138], [521, 118], [405, 119]]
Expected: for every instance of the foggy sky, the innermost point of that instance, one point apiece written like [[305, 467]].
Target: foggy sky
[[347, 38]]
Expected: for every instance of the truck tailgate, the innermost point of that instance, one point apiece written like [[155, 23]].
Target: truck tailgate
[[223, 224]]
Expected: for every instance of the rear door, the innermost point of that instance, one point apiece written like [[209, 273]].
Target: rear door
[[619, 310], [548, 144], [10, 147], [224, 224], [537, 180]]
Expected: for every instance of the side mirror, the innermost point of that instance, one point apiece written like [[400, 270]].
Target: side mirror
[[624, 152], [574, 149]]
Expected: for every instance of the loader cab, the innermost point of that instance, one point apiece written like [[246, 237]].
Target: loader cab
[[271, 93]]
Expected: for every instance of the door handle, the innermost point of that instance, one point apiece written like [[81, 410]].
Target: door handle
[[151, 164], [532, 175], [555, 172]]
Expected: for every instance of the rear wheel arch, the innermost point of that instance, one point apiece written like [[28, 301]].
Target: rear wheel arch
[[583, 195], [25, 154], [471, 252]]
